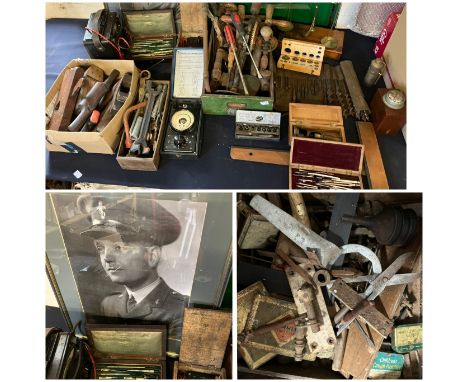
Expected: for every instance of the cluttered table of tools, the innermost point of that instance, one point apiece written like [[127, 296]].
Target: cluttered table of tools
[[214, 168]]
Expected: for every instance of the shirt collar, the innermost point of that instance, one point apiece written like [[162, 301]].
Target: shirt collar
[[140, 294]]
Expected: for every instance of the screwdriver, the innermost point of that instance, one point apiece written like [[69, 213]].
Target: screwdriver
[[231, 41], [238, 25]]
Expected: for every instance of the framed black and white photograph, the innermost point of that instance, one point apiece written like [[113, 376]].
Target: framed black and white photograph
[[134, 256]]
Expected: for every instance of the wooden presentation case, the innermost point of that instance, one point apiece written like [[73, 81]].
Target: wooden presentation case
[[141, 351], [342, 159], [322, 119]]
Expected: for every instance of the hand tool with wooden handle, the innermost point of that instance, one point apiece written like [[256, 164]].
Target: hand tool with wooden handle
[[232, 42], [236, 21], [67, 96], [91, 100]]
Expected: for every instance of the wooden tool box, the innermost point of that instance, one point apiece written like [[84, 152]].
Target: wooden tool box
[[128, 349], [227, 104], [321, 121], [343, 160], [205, 335], [146, 163]]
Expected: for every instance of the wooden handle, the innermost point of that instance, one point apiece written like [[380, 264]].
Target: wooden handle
[[279, 157], [365, 304]]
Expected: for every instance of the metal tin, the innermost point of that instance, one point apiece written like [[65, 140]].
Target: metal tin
[[406, 338], [374, 72], [394, 99], [386, 366]]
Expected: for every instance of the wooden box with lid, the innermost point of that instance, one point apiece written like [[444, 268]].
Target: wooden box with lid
[[205, 336]]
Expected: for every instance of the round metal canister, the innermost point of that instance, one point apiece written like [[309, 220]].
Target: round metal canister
[[374, 72], [394, 99]]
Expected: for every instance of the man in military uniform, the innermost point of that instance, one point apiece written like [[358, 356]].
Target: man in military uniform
[[129, 236]]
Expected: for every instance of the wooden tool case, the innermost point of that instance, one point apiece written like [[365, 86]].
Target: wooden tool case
[[343, 160], [129, 345], [327, 121], [205, 335]]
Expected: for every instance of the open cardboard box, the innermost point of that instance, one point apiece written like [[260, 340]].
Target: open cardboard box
[[103, 142]]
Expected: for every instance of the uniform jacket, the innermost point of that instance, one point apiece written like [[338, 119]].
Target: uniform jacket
[[162, 305]]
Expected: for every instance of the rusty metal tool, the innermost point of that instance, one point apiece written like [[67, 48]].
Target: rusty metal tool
[[215, 23], [404, 278], [307, 239], [121, 91], [140, 145], [352, 82], [236, 21], [232, 42], [375, 288], [67, 96], [91, 100], [247, 335]]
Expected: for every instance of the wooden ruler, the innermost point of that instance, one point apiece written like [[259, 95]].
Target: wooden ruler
[[374, 164], [279, 157]]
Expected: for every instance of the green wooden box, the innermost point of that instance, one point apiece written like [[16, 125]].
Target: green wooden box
[[226, 104]]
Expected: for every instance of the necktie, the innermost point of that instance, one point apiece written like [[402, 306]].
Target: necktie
[[131, 303]]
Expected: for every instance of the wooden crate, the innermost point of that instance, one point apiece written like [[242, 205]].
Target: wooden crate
[[321, 119], [205, 335], [336, 158], [129, 345], [146, 164]]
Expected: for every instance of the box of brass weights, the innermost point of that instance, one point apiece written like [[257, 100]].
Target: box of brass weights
[[320, 164], [205, 336], [128, 351], [103, 140]]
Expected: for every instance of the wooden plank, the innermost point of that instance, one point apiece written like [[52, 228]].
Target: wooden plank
[[279, 157], [373, 160], [192, 18], [205, 334]]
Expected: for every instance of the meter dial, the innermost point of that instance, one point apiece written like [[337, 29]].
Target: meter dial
[[182, 120]]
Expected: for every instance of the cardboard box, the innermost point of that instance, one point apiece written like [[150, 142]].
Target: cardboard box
[[327, 121], [343, 160], [103, 142], [146, 164]]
